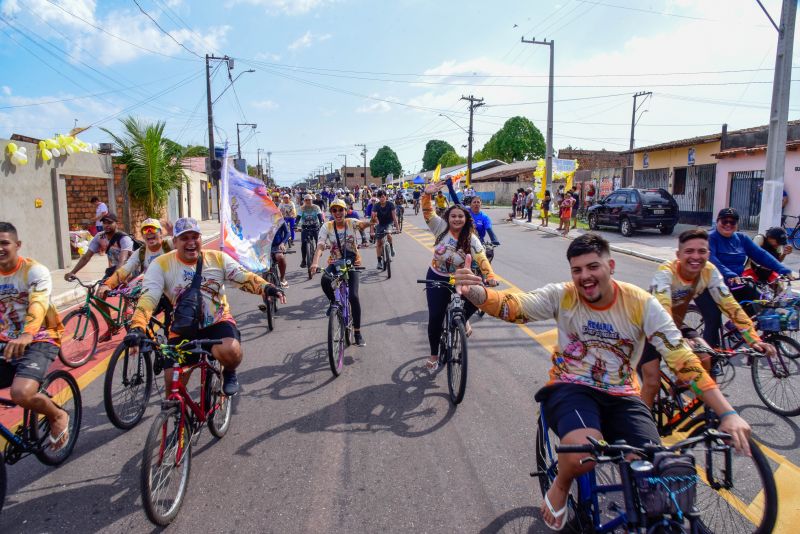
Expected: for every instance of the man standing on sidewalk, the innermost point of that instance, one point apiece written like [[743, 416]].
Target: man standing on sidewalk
[[100, 211], [575, 205], [530, 202]]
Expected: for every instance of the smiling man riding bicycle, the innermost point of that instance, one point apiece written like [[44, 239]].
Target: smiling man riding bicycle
[[602, 327], [30, 330], [171, 274]]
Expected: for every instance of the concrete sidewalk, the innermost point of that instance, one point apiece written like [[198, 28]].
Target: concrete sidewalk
[[646, 244], [66, 294]]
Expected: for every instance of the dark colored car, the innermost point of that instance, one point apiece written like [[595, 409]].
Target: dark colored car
[[629, 209]]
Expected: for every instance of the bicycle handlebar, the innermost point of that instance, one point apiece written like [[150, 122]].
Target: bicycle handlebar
[[83, 284], [601, 449]]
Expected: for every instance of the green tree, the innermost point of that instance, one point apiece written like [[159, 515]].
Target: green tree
[[385, 162], [433, 151], [196, 151], [153, 163], [450, 158], [478, 156], [517, 140]]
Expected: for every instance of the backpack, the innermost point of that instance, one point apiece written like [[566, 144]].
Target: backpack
[[117, 237]]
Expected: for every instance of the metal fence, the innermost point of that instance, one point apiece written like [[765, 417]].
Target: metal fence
[[693, 189], [652, 179], [746, 188]]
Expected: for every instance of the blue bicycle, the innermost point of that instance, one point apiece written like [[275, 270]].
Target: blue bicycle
[[340, 320], [696, 485], [32, 435]]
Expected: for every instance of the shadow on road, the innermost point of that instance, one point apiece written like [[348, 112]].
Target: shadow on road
[[774, 431], [517, 520], [409, 407]]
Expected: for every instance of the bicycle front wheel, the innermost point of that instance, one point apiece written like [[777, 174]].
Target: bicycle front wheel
[[273, 279], [79, 340], [777, 379], [166, 462], [220, 420], [61, 388], [336, 340], [128, 382], [309, 249], [743, 500], [457, 362]]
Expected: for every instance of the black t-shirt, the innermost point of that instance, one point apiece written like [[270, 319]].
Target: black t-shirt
[[384, 213]]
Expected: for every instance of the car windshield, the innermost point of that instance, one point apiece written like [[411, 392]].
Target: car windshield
[[654, 197]]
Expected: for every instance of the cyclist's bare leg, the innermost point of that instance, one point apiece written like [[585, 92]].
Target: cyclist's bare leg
[[25, 393], [229, 354], [107, 311], [280, 259], [569, 468]]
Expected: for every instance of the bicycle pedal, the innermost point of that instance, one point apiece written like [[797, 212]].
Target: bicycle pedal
[[262, 307]]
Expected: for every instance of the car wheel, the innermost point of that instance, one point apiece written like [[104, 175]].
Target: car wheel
[[626, 227], [593, 222], [667, 230]]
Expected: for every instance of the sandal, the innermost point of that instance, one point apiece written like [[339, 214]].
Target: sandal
[[432, 365], [556, 514], [62, 438]]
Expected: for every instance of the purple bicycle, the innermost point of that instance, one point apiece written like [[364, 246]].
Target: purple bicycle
[[340, 320]]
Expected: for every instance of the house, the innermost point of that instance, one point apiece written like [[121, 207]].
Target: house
[[589, 160]]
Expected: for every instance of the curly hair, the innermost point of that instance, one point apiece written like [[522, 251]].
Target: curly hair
[[465, 236]]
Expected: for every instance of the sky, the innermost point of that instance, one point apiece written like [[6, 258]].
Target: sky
[[330, 74]]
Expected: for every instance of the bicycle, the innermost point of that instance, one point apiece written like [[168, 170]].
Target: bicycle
[[270, 304], [340, 319], [400, 212], [416, 206], [31, 437], [453, 342], [129, 379], [792, 232], [386, 252], [81, 324], [167, 454], [776, 379], [309, 238], [694, 485]]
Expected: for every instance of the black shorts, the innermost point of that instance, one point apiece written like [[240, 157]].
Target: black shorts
[[569, 407], [33, 364], [650, 353], [220, 330]]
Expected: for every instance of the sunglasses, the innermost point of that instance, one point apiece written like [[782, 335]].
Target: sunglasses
[[148, 230], [728, 222], [336, 210]]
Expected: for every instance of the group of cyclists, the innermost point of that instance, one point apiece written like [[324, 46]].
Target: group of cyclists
[[609, 332]]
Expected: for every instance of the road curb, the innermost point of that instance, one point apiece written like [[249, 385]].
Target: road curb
[[615, 248], [77, 294]]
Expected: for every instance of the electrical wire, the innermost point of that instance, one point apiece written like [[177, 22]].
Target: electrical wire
[[165, 32]]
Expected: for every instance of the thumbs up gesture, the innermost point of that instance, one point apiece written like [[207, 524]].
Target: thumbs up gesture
[[464, 277]]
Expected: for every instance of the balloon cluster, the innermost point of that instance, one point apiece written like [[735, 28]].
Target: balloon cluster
[[62, 145], [18, 154]]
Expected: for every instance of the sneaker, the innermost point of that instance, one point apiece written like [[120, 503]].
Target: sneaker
[[359, 339], [380, 264], [230, 383], [284, 283], [303, 264]]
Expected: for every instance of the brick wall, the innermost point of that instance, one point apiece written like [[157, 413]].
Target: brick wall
[[130, 215], [594, 159], [79, 190]]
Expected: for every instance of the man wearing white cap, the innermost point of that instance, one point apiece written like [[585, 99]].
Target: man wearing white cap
[[172, 273]]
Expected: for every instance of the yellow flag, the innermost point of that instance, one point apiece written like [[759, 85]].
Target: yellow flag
[[436, 173], [570, 176]]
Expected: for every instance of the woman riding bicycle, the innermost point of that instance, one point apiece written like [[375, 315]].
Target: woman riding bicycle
[[455, 239], [341, 235], [481, 221]]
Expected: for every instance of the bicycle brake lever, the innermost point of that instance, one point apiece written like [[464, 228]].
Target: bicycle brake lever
[[589, 459]]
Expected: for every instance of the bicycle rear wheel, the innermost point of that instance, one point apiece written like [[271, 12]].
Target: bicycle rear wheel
[[220, 420], [747, 502], [457, 362], [128, 382], [63, 390], [387, 258], [547, 469], [79, 340], [309, 251], [777, 379], [336, 340], [166, 462]]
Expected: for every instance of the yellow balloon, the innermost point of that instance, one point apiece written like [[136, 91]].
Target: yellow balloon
[[42, 145], [46, 155], [51, 144], [12, 148]]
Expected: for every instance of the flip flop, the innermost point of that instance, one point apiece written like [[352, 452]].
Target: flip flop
[[556, 514], [55, 440], [431, 366]]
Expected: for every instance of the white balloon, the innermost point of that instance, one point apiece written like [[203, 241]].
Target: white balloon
[[56, 152], [70, 149]]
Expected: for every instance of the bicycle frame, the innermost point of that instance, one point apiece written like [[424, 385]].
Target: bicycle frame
[[342, 294], [178, 395]]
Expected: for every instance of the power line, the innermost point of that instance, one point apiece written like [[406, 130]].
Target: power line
[[99, 28], [650, 11], [165, 32]]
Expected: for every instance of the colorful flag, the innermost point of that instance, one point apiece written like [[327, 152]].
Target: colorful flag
[[249, 218], [436, 173]]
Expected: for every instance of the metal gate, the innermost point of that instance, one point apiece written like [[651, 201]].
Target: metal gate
[[693, 189], [746, 187], [652, 179]]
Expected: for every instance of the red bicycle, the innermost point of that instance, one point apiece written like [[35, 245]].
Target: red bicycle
[[167, 455]]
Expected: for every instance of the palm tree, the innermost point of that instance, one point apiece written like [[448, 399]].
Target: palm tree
[[153, 162]]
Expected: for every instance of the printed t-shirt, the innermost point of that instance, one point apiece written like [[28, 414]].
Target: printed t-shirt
[[349, 237], [288, 210], [600, 348], [101, 208], [441, 201], [25, 305], [169, 276], [309, 216], [675, 294]]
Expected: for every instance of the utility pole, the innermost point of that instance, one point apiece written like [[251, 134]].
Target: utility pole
[[214, 165], [474, 103], [772, 195], [344, 178], [258, 162], [633, 127], [269, 167], [549, 137], [238, 140], [364, 153]]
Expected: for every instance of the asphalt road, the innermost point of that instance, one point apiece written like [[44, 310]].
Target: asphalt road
[[378, 449]]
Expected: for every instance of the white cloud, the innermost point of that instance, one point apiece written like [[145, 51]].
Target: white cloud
[[269, 56], [264, 104], [377, 106], [307, 39], [6, 90], [287, 7]]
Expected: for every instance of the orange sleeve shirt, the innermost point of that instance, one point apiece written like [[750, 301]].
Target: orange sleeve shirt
[[25, 305]]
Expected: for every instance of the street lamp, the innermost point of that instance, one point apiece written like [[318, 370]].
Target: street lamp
[[454, 122], [230, 84]]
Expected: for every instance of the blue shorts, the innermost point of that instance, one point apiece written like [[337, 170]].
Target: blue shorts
[[569, 407]]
